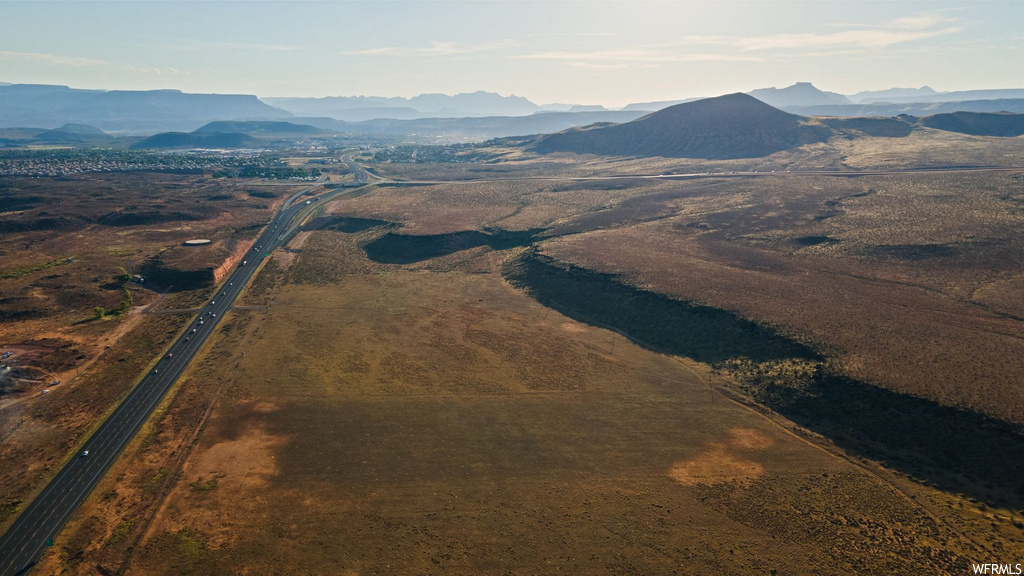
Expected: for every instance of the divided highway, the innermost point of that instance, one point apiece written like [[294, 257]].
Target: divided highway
[[23, 544]]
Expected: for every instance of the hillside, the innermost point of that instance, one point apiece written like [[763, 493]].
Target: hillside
[[977, 124], [74, 133], [731, 126], [254, 128], [476, 128], [168, 140], [1015, 105]]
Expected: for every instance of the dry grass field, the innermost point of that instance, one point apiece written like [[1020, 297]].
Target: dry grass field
[[68, 246], [908, 286], [777, 374], [923, 148], [909, 281], [430, 418]]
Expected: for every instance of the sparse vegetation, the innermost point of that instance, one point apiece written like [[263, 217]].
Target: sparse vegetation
[[506, 370], [19, 271]]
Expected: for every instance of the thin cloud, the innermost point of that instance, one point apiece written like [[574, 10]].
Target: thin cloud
[[637, 55], [58, 60], [865, 36], [371, 51], [202, 45], [608, 66], [437, 48], [55, 59], [853, 38]]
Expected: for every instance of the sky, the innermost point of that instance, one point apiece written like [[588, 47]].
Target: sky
[[609, 53]]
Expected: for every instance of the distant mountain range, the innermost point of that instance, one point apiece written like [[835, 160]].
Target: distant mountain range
[[1015, 105], [799, 94], [869, 96], [461, 117], [478, 128], [733, 126], [47, 106], [357, 108], [804, 98], [741, 126]]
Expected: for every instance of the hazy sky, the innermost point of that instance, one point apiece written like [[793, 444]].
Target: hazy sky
[[608, 53]]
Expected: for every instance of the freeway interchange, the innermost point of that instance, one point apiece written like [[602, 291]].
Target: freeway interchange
[[24, 542]]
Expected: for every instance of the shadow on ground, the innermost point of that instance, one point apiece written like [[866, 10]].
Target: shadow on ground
[[949, 448], [394, 248]]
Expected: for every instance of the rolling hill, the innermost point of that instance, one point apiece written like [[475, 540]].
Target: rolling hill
[[260, 128], [475, 128], [731, 126], [231, 134], [977, 124], [74, 133], [170, 140]]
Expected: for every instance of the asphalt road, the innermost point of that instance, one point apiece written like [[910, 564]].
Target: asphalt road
[[23, 544]]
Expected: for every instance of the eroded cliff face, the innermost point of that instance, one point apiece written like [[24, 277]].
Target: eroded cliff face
[[237, 251], [191, 267]]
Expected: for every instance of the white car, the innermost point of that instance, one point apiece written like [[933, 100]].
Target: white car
[[85, 453]]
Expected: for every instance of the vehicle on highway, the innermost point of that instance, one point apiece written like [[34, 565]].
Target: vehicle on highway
[[193, 330], [45, 391], [213, 303], [85, 453], [244, 262], [170, 355], [155, 370]]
